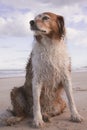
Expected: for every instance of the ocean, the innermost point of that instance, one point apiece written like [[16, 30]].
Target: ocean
[[11, 73]]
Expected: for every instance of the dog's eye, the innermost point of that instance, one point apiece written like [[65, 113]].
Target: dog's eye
[[45, 18]]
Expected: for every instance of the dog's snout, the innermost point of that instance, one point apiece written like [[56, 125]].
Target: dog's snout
[[32, 22]]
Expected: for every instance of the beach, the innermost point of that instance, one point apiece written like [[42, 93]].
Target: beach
[[61, 122]]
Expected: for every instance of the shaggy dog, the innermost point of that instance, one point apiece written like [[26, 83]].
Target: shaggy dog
[[47, 74], [50, 62]]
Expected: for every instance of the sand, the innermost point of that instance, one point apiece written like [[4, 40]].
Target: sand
[[60, 122]]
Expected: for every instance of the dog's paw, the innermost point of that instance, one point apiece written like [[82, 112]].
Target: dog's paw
[[38, 123], [13, 120], [76, 118]]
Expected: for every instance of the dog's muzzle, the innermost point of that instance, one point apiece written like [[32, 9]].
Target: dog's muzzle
[[34, 26], [32, 22]]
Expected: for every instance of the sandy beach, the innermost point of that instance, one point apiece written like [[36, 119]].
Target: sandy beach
[[60, 122]]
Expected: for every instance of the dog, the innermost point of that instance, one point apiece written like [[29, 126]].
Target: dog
[[50, 62]]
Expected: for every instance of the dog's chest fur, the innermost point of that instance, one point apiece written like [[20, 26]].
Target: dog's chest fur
[[50, 61]]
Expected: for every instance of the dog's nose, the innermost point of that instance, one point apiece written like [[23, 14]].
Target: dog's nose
[[32, 22]]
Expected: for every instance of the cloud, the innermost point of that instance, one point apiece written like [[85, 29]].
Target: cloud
[[37, 3], [16, 25], [37, 6], [78, 18], [77, 37], [16, 21]]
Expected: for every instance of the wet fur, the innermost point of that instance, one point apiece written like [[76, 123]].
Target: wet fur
[[47, 74], [50, 62]]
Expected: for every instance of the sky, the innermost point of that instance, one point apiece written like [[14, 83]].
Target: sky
[[16, 37]]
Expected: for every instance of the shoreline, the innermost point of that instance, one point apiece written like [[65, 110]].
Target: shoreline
[[12, 77]]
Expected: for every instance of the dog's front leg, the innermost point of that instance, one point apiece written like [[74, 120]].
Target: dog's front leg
[[68, 89], [38, 122]]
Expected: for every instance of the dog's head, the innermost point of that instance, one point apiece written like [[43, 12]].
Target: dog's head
[[48, 24]]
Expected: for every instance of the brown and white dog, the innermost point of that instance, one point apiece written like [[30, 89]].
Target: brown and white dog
[[50, 61]]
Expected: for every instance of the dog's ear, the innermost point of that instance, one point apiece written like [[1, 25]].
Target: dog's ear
[[61, 26]]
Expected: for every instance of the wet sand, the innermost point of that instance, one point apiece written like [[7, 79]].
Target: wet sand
[[60, 122]]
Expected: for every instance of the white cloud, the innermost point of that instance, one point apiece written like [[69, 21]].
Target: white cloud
[[79, 17], [16, 25], [35, 3], [77, 37]]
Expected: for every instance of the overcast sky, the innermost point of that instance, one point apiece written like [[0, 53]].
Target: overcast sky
[[14, 27]]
